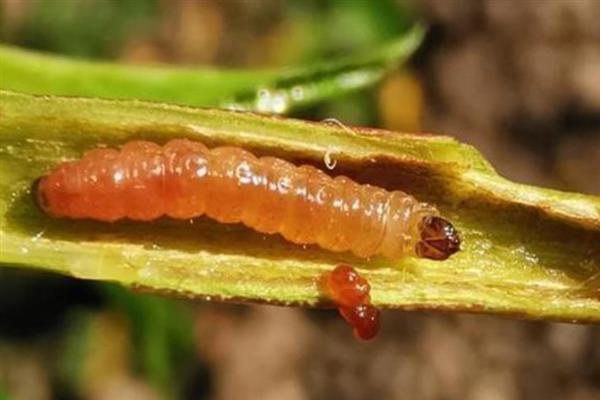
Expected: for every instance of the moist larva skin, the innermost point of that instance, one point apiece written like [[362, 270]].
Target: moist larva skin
[[183, 179]]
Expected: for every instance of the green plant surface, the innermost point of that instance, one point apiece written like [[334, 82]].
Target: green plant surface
[[271, 91], [527, 251]]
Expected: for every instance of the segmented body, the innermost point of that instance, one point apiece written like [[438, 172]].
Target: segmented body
[[184, 179]]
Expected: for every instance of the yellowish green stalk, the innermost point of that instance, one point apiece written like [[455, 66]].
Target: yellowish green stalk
[[528, 252]]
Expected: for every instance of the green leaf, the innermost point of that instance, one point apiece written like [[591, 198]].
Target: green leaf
[[272, 91], [528, 251]]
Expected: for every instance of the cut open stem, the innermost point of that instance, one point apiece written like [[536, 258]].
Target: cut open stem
[[526, 251]]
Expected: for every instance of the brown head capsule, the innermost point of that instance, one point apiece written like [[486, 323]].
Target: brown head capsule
[[439, 239]]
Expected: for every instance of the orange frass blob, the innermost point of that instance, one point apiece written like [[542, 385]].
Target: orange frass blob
[[364, 320], [346, 287], [350, 292]]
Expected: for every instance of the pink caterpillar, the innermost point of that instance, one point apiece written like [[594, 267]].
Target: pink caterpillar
[[183, 179]]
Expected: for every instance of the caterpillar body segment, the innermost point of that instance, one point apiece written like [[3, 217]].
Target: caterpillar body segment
[[184, 179]]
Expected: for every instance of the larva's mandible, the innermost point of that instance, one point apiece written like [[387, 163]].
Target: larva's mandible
[[183, 179]]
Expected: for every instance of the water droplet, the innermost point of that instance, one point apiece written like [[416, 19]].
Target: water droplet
[[271, 102], [329, 161], [280, 103]]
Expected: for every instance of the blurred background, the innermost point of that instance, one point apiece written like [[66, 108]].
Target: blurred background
[[519, 79]]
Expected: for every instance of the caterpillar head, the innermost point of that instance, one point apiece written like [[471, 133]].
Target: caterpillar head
[[439, 239]]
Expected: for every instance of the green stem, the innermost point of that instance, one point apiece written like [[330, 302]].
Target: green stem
[[528, 251]]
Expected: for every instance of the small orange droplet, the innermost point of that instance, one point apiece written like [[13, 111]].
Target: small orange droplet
[[364, 318], [346, 287], [350, 292]]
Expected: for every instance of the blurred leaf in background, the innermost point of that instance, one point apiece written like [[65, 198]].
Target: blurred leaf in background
[[278, 91], [337, 27], [136, 335], [96, 28]]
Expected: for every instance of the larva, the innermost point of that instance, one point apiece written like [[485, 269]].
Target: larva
[[184, 179], [350, 292]]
